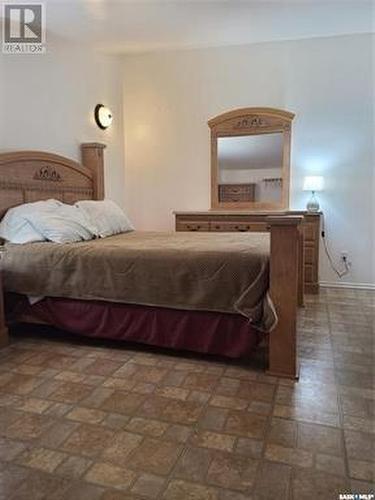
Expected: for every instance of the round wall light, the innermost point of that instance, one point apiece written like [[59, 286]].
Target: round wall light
[[103, 116]]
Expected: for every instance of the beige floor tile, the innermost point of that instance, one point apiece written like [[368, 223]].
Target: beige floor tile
[[42, 459], [122, 402], [116, 421], [320, 438], [12, 477], [308, 484], [155, 456], [121, 384], [22, 384], [172, 392], [359, 469], [29, 426], [69, 392], [141, 373], [39, 485], [199, 396], [178, 433], [178, 490], [34, 405], [290, 456], [73, 466], [85, 491], [330, 464], [242, 423], [147, 426], [179, 412], [252, 448], [213, 419], [359, 445], [214, 440], [229, 402], [87, 415], [120, 447], [10, 449], [283, 432], [110, 475], [200, 381], [88, 440], [193, 464], [273, 481], [117, 495], [232, 471], [359, 424], [307, 414], [148, 485]]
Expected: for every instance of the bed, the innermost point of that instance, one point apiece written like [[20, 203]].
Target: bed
[[214, 293]]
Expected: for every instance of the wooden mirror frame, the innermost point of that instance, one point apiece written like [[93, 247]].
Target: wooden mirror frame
[[251, 121]]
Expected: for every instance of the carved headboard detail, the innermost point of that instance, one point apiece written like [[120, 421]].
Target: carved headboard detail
[[47, 173], [27, 176]]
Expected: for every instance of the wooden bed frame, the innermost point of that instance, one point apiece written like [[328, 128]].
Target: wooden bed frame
[[28, 176]]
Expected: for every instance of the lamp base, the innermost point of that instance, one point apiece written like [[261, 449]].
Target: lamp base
[[313, 204]]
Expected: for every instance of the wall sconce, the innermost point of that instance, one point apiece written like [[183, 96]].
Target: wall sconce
[[313, 184], [103, 116]]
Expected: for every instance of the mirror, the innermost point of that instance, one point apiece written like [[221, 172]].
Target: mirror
[[250, 168], [250, 156]]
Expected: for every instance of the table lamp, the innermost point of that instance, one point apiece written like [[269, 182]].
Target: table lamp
[[313, 184]]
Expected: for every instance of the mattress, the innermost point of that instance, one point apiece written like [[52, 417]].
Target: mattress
[[217, 272]]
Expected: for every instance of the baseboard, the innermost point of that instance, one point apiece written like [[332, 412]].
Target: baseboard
[[356, 286]]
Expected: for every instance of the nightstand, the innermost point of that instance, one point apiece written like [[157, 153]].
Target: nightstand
[[4, 338]]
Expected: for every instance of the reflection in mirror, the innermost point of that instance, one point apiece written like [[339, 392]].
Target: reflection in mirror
[[250, 168]]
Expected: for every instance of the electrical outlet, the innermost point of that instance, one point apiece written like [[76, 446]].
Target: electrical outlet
[[345, 258]]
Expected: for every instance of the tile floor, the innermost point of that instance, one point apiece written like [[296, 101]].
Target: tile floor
[[85, 421]]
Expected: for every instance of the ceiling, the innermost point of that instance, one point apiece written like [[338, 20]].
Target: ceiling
[[122, 26]]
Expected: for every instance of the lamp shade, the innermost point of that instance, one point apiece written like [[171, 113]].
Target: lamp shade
[[103, 116], [313, 183]]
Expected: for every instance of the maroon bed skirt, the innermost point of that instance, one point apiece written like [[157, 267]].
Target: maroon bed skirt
[[205, 332]]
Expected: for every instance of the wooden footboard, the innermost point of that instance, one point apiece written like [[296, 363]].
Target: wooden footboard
[[284, 291], [4, 338]]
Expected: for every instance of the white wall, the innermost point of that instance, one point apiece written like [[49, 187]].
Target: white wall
[[327, 82], [47, 103]]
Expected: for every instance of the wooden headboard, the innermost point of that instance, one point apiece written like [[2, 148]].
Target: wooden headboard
[[27, 176]]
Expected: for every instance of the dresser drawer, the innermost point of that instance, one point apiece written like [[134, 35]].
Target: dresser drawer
[[244, 227], [310, 231], [192, 226], [309, 254], [310, 273], [236, 192]]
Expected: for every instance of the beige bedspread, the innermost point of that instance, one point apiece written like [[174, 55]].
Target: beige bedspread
[[224, 272]]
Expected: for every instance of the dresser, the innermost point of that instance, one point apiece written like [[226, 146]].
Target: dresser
[[231, 221], [230, 193]]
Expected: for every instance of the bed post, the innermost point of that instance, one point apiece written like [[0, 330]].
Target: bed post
[[4, 337], [92, 158], [284, 290]]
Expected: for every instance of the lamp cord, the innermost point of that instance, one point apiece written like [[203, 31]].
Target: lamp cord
[[339, 273]]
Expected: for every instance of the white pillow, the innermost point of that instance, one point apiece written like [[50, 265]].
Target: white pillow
[[62, 224], [14, 226], [107, 217]]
